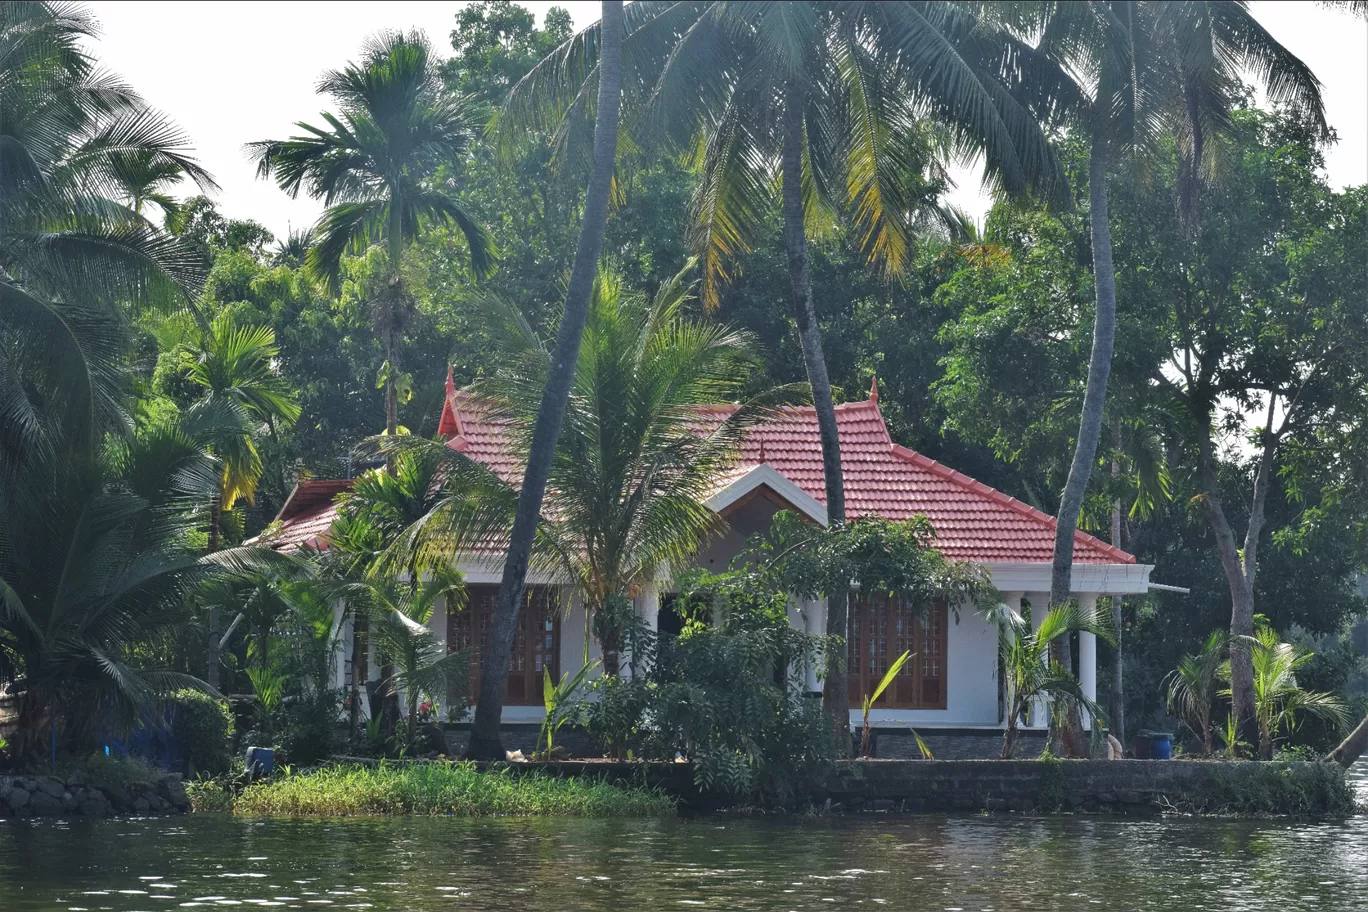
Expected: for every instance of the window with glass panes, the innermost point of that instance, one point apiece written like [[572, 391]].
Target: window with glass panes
[[536, 644], [883, 628]]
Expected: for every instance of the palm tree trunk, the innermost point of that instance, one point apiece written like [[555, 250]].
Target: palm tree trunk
[[1118, 715], [1352, 747], [215, 619], [1094, 400], [485, 742], [359, 669], [835, 690]]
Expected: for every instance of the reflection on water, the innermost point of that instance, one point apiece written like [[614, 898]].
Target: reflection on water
[[947, 863]]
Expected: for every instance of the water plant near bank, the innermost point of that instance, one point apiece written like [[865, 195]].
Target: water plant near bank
[[432, 789]]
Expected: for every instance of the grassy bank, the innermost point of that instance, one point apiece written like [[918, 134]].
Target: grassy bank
[[435, 789]]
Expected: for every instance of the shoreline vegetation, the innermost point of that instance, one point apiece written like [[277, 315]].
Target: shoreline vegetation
[[427, 789]]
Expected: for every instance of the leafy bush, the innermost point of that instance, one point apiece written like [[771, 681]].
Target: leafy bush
[[729, 697], [205, 728], [311, 727]]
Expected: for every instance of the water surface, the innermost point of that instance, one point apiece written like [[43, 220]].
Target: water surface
[[784, 863]]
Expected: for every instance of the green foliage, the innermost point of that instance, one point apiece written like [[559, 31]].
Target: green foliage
[[868, 702], [561, 701], [870, 555], [1193, 685], [1279, 702], [1029, 672], [205, 728], [443, 789], [728, 696]]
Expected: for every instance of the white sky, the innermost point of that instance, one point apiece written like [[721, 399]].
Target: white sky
[[229, 73]]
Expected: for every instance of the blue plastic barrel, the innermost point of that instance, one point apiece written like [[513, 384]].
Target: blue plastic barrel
[[1161, 746], [260, 761]]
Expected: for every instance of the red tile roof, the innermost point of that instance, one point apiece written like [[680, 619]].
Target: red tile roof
[[972, 521], [307, 516]]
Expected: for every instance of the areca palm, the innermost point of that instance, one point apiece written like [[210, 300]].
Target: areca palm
[[235, 366], [376, 164], [1129, 72], [830, 100], [71, 251]]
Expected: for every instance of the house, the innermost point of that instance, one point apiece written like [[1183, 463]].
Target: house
[[952, 681]]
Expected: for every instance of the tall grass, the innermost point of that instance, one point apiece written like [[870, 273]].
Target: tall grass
[[443, 789]]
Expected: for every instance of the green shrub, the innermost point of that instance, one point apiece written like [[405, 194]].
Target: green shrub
[[1278, 788], [205, 728], [441, 789], [728, 696], [311, 728]]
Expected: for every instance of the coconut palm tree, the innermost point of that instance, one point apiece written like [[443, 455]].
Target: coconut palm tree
[[1193, 685], [95, 567], [626, 488], [375, 164], [1128, 73], [72, 253], [829, 100], [1029, 672], [485, 743], [236, 368], [1278, 700]]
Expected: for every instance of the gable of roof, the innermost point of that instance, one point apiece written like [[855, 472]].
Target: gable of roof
[[308, 514]]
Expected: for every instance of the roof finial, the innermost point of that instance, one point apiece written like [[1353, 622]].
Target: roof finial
[[874, 389], [762, 450], [450, 423]]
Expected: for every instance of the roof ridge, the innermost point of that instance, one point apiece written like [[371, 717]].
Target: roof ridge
[[1006, 500]]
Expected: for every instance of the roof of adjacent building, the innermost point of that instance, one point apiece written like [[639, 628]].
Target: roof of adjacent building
[[972, 521]]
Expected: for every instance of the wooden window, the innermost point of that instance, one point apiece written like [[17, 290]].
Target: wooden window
[[883, 628], [536, 643]]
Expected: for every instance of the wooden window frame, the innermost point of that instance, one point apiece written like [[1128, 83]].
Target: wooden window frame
[[470, 628], [926, 634]]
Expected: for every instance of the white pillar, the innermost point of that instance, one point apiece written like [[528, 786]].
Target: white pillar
[[813, 625], [648, 607], [1087, 655], [1013, 601], [1040, 604], [816, 618]]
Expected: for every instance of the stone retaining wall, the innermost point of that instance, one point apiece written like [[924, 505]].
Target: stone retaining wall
[[1108, 786], [49, 796]]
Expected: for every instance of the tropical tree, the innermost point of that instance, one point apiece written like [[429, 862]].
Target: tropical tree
[[381, 506], [236, 367], [1031, 674], [95, 569], [1278, 700], [626, 489], [415, 660], [147, 178], [1132, 73], [1193, 685], [826, 99], [485, 743], [72, 254], [375, 165]]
